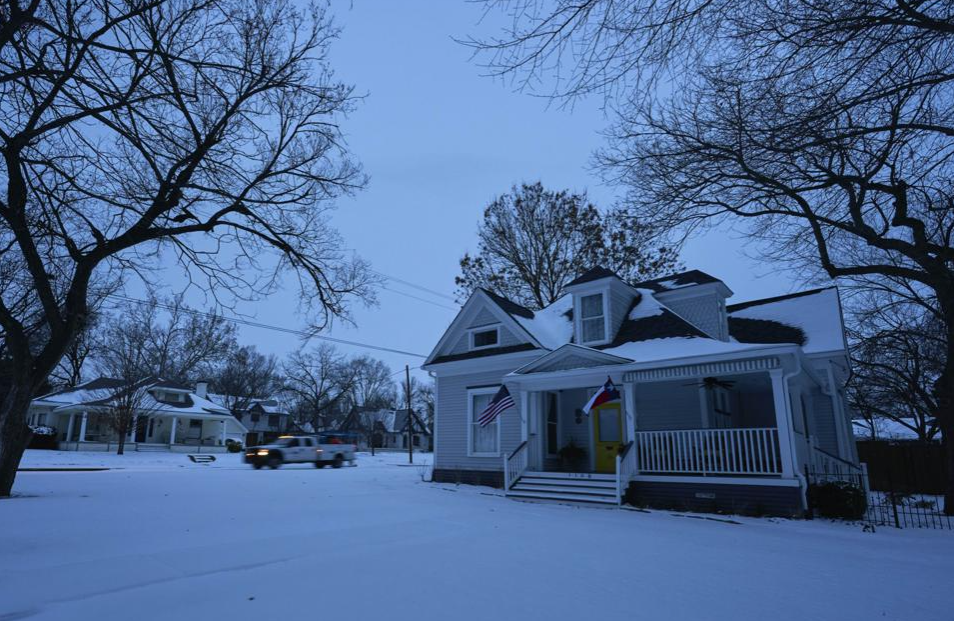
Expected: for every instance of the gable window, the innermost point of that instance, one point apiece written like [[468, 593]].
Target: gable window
[[592, 318], [273, 420], [482, 441], [484, 337]]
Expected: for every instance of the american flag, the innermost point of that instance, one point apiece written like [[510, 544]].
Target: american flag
[[501, 401]]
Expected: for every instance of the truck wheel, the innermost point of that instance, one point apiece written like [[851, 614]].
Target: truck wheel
[[257, 466], [338, 462], [274, 461], [319, 464]]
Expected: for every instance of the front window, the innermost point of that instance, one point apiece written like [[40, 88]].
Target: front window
[[483, 440], [592, 322], [273, 420]]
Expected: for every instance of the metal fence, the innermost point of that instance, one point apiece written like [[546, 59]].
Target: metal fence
[[896, 501]]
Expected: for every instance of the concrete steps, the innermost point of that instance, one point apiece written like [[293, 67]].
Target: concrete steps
[[152, 448], [577, 487]]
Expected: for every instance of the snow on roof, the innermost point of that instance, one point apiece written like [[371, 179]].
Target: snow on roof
[[652, 350], [817, 313], [688, 278], [552, 326], [100, 391]]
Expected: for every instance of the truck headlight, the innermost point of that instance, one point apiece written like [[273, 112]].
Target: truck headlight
[[262, 453]]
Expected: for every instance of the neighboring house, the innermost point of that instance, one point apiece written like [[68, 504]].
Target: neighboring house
[[390, 428], [172, 417], [723, 407], [266, 419]]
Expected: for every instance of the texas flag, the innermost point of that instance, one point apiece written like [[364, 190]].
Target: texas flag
[[606, 394]]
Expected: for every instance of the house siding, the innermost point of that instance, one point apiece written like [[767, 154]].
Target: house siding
[[483, 318], [452, 423], [705, 312], [823, 423], [579, 433], [620, 301], [667, 405]]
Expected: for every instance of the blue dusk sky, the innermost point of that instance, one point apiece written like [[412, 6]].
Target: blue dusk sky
[[439, 141]]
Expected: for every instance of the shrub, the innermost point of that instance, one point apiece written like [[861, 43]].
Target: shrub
[[44, 437], [232, 446], [838, 500]]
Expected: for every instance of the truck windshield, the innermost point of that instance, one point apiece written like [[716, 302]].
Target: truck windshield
[[287, 442]]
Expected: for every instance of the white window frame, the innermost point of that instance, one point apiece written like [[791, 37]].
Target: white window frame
[[472, 331], [471, 393], [578, 315]]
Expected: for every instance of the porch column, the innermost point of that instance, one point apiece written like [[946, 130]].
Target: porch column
[[524, 415], [132, 428], [629, 406], [223, 431], [82, 435], [783, 422], [69, 427], [172, 434]]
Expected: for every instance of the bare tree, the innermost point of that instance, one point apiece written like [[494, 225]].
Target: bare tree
[[826, 130], [897, 355], [534, 241], [171, 341], [182, 343], [202, 131], [372, 385], [422, 399], [320, 381], [372, 422], [69, 372], [124, 347], [246, 375]]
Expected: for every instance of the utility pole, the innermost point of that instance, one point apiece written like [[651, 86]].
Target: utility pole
[[410, 426]]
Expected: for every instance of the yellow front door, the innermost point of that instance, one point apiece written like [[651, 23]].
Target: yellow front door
[[608, 434]]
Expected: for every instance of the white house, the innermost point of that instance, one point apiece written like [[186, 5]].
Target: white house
[[172, 417], [723, 407]]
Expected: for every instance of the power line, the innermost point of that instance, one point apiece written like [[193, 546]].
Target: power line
[[265, 326], [416, 286], [414, 297]]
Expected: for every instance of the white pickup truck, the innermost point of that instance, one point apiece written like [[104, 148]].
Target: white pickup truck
[[321, 451]]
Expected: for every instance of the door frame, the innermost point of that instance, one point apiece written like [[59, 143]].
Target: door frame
[[594, 436]]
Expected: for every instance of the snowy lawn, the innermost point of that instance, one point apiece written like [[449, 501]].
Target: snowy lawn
[[163, 538]]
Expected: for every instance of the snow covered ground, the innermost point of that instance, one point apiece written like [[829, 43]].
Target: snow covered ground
[[163, 538]]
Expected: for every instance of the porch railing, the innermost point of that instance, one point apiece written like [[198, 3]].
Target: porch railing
[[515, 464], [742, 451], [625, 469], [824, 462]]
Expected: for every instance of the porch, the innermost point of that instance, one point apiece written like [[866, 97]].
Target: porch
[[90, 431], [725, 424]]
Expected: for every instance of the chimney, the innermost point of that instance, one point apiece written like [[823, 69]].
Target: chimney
[[202, 389]]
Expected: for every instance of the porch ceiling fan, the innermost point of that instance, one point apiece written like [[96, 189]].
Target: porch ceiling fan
[[710, 383]]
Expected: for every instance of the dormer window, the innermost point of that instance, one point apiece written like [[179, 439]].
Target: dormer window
[[592, 318], [481, 338]]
